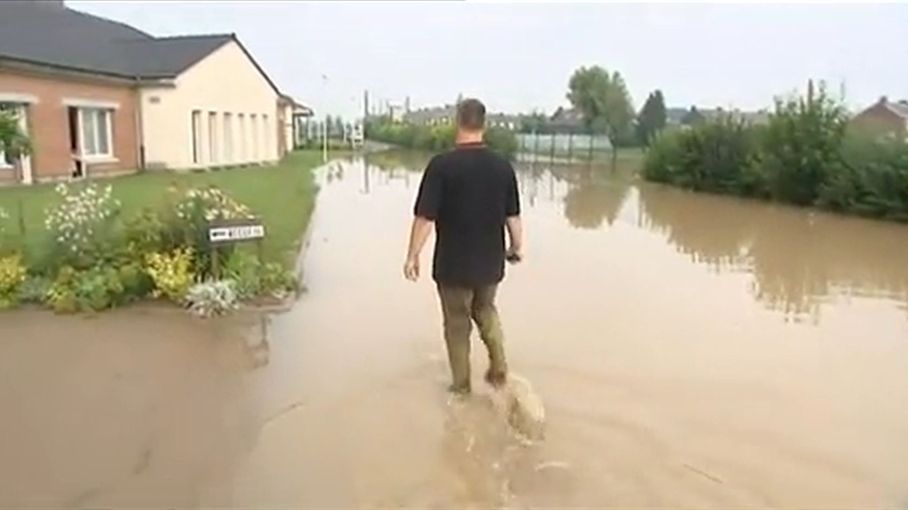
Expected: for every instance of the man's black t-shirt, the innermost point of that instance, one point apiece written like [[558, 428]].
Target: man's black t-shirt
[[469, 193]]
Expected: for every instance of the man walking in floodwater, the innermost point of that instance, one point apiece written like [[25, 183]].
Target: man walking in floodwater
[[470, 195]]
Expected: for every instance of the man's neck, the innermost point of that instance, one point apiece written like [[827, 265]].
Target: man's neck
[[469, 137]]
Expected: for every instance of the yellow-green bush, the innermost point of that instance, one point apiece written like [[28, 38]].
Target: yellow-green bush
[[171, 273], [12, 274]]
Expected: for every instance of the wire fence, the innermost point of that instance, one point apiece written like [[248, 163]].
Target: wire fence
[[568, 146]]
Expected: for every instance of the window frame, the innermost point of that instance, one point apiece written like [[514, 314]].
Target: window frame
[[97, 132], [18, 109]]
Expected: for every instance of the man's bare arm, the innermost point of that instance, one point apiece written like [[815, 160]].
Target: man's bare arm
[[419, 233], [515, 234]]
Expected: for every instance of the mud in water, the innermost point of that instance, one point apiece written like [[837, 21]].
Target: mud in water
[[690, 351]]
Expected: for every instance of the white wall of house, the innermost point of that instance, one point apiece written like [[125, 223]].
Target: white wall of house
[[223, 87], [287, 128]]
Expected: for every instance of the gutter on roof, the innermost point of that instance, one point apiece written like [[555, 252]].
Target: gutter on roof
[[28, 64]]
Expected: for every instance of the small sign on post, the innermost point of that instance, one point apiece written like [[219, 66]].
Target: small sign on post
[[222, 232]]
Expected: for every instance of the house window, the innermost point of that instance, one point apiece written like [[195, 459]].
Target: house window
[[242, 135], [212, 137], [254, 135], [6, 160], [95, 127], [267, 137], [228, 138], [196, 136]]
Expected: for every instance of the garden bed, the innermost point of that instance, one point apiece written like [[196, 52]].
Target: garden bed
[[95, 245]]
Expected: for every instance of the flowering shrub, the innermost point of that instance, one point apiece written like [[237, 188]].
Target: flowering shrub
[[12, 274], [78, 219], [210, 204], [195, 210], [212, 298], [171, 273]]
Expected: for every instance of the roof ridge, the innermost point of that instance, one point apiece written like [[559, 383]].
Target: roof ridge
[[108, 20], [195, 36]]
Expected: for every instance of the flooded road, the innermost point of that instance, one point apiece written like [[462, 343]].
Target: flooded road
[[691, 351]]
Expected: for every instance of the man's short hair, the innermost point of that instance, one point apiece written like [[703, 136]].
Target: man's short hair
[[471, 114]]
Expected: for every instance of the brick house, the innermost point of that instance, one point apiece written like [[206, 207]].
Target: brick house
[[98, 97], [885, 118]]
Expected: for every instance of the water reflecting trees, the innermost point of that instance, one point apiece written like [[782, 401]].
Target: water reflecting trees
[[799, 258]]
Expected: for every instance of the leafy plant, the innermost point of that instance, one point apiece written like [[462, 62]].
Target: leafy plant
[[715, 155], [12, 274], [244, 270], [34, 289], [62, 294], [94, 289], [171, 273], [212, 298], [802, 145], [276, 280]]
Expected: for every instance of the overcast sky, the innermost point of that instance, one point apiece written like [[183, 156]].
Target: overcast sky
[[518, 57]]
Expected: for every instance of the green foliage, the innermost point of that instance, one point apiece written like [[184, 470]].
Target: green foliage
[[437, 138], [651, 119], [87, 290], [34, 289], [603, 100], [872, 179], [251, 278], [243, 269], [802, 145], [805, 156], [714, 156], [12, 274], [171, 272]]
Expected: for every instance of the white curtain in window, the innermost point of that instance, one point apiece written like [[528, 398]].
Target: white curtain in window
[[96, 132]]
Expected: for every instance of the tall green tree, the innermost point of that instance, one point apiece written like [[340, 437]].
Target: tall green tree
[[651, 118], [603, 100]]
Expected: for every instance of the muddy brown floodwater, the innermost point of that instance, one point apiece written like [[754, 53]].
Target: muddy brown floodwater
[[691, 351]]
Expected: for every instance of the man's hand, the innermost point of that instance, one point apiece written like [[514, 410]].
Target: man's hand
[[514, 255], [411, 269]]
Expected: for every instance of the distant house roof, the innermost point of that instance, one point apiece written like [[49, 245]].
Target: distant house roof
[[425, 115], [166, 57], [900, 108], [566, 119], [675, 115], [48, 33]]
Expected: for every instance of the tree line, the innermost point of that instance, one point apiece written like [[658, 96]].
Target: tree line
[[807, 153]]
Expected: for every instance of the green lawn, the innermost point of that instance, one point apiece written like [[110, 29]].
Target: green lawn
[[283, 195]]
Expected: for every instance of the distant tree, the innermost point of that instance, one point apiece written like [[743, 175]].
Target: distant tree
[[604, 102], [651, 118], [533, 123], [339, 127]]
